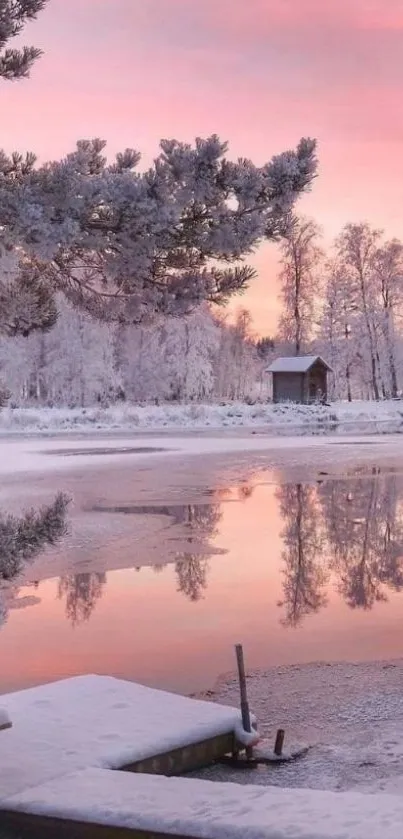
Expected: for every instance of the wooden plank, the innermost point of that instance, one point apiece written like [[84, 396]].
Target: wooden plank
[[185, 759], [47, 827]]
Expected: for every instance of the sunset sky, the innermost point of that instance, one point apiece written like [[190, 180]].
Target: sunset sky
[[260, 73]]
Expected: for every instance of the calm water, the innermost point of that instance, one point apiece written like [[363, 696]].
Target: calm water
[[158, 579]]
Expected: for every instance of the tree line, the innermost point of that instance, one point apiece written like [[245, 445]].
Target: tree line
[[83, 362], [347, 305]]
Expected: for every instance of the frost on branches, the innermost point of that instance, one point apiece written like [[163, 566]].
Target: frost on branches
[[22, 538], [126, 245], [361, 325], [14, 14]]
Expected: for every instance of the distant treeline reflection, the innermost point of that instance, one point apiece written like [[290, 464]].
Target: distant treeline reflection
[[342, 533], [348, 533]]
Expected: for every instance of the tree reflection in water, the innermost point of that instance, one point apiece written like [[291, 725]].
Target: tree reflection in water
[[305, 574], [191, 572], [199, 523], [350, 530], [345, 532], [192, 568], [365, 533], [82, 593], [22, 539]]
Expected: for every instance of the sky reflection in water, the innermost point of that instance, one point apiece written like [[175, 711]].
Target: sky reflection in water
[[297, 572]]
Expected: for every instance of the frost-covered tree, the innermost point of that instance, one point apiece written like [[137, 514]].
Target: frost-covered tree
[[340, 330], [356, 250], [14, 14], [388, 288], [237, 365], [265, 347], [71, 365], [189, 346], [171, 360], [300, 286], [360, 325], [126, 245], [83, 362]]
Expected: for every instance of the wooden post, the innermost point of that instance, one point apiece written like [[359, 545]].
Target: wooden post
[[246, 723], [278, 746]]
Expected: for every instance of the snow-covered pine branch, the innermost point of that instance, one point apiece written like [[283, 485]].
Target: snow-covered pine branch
[[126, 245], [14, 14]]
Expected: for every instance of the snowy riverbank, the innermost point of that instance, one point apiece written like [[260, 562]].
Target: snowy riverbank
[[350, 715], [273, 418]]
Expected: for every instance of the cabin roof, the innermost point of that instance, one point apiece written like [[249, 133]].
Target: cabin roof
[[296, 364]]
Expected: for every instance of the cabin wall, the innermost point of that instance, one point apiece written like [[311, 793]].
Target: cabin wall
[[288, 387]]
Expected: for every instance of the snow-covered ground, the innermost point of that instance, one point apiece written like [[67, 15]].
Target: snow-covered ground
[[131, 418], [350, 715]]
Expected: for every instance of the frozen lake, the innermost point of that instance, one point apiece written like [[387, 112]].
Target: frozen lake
[[293, 548]]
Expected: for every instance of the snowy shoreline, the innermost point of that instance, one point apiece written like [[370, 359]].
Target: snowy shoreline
[[265, 417], [352, 723]]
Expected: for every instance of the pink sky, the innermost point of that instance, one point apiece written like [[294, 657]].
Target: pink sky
[[260, 73]]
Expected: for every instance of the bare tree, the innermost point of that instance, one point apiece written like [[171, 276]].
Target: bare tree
[[356, 250], [388, 277], [339, 329], [301, 257]]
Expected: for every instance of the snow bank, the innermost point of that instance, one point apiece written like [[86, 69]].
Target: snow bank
[[98, 721], [196, 416], [204, 810]]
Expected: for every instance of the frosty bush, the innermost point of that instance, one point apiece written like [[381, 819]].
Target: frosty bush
[[22, 538]]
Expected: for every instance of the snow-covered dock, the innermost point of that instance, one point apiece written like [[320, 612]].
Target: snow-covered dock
[[99, 803], [56, 773], [102, 722]]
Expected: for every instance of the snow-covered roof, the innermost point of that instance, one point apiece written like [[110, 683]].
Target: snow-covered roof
[[298, 364]]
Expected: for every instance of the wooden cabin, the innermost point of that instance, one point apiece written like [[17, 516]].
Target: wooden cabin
[[300, 379]]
